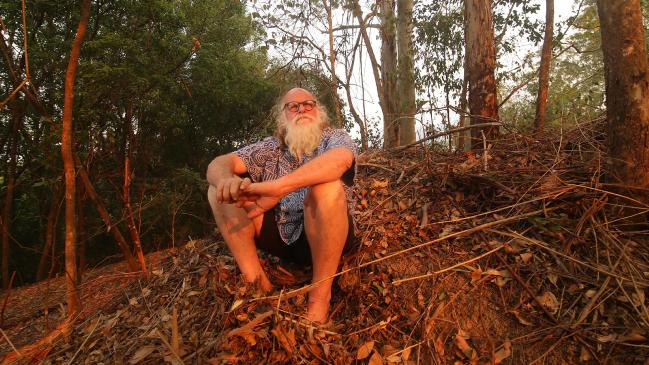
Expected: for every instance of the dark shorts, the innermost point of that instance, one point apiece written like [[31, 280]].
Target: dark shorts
[[299, 252]]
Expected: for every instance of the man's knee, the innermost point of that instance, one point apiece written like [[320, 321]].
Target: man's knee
[[327, 193]]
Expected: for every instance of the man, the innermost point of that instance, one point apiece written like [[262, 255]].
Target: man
[[289, 195]]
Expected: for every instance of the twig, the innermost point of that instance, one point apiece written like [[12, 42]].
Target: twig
[[401, 252], [85, 341], [395, 282], [441, 134], [4, 304], [10, 343], [545, 246]]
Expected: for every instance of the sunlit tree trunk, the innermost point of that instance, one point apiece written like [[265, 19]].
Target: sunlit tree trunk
[[481, 63], [544, 72], [627, 91], [7, 207], [72, 296], [406, 81], [391, 132]]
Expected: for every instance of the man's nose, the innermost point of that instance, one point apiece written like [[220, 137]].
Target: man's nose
[[301, 108]]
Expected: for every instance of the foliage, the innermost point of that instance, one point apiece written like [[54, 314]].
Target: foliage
[[190, 79]]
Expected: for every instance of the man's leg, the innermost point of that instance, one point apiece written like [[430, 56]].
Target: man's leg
[[326, 224], [239, 233]]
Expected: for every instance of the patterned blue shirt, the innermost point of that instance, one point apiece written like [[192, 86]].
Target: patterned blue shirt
[[267, 160]]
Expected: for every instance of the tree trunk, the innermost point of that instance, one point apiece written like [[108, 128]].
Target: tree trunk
[[332, 59], [50, 232], [544, 72], [126, 188], [81, 230], [406, 80], [627, 92], [391, 132], [7, 208], [462, 122], [370, 51], [72, 295], [103, 213], [481, 63]]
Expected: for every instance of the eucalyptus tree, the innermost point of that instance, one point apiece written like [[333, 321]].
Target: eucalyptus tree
[[627, 92]]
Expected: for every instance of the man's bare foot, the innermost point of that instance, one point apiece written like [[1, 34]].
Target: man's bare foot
[[318, 310]]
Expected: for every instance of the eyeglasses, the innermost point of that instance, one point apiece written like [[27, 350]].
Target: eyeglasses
[[294, 106]]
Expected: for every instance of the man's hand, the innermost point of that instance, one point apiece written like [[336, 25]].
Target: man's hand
[[258, 198], [229, 189]]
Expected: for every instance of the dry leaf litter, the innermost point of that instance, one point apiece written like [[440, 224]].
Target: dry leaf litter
[[520, 255]]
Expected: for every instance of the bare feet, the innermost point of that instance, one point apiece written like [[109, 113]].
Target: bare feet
[[318, 309]]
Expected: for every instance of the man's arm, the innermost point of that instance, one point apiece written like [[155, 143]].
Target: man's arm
[[223, 173], [329, 166]]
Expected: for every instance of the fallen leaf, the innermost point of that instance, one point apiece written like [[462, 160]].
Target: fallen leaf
[[503, 353], [376, 359], [365, 350], [378, 184], [461, 343], [237, 303], [584, 355], [141, 354], [526, 257], [286, 338], [521, 319], [476, 275], [549, 301]]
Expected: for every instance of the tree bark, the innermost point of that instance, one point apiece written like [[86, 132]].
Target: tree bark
[[481, 64], [105, 216], [626, 71], [72, 295], [406, 80], [7, 208], [126, 188], [370, 51], [544, 72], [50, 232], [332, 59], [391, 130]]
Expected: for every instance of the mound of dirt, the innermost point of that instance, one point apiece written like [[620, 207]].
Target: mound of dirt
[[518, 255]]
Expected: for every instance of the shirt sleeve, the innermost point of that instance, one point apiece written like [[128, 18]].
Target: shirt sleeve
[[256, 155], [340, 138]]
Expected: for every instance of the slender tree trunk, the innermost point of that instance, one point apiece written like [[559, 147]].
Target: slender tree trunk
[[81, 230], [391, 122], [105, 216], [406, 80], [481, 64], [126, 188], [50, 232], [7, 208], [626, 72], [544, 72], [376, 68], [72, 295], [332, 59], [462, 122]]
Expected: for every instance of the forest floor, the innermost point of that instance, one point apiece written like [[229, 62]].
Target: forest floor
[[521, 255]]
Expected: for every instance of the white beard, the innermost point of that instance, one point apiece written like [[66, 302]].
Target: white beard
[[302, 138]]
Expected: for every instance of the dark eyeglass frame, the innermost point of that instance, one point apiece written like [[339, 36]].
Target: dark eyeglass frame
[[294, 106]]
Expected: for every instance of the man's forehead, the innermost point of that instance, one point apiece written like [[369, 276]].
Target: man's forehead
[[298, 94]]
